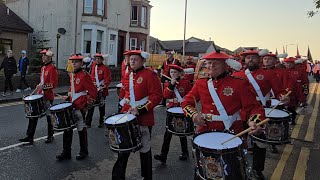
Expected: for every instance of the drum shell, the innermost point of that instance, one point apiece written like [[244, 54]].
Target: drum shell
[[179, 125], [124, 137], [233, 156], [34, 108], [63, 119], [100, 100]]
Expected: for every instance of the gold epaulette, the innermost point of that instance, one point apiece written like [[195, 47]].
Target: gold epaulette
[[48, 86], [190, 111]]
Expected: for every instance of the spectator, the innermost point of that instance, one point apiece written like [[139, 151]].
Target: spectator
[[23, 69], [10, 68]]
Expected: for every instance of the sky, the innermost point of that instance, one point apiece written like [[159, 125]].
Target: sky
[[230, 24]]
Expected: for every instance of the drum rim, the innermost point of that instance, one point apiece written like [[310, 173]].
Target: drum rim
[[57, 110], [265, 141], [28, 100], [133, 149], [280, 118], [218, 151], [120, 124], [174, 112]]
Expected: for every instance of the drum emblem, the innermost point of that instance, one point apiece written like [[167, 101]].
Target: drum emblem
[[140, 79], [213, 168], [179, 124], [77, 81], [114, 138], [28, 109], [274, 132], [228, 91], [260, 77]]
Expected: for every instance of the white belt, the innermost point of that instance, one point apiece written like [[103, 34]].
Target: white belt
[[75, 96], [140, 102], [230, 119], [122, 101], [267, 97]]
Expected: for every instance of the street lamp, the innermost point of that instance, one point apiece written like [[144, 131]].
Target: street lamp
[[287, 47], [184, 34]]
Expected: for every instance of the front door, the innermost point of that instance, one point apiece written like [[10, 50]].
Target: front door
[[112, 49], [120, 49]]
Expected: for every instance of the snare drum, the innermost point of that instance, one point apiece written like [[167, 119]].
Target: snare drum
[[177, 123], [62, 116], [34, 106], [274, 102], [100, 101], [216, 161], [277, 129], [123, 132]]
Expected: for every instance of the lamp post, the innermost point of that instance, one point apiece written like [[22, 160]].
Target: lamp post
[[287, 47], [58, 37], [184, 34]]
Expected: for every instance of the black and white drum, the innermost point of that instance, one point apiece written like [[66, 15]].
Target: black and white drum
[[123, 132], [62, 116], [100, 101], [274, 102], [177, 123], [34, 106], [277, 129], [216, 161]]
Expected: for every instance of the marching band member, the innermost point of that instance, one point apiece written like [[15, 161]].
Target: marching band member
[[165, 69], [101, 76], [174, 93], [142, 93], [82, 94], [125, 68], [48, 81], [187, 65], [222, 97]]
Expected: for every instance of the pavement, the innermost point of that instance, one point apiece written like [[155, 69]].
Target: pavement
[[62, 90]]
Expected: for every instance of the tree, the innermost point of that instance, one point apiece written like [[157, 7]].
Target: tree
[[1, 1], [314, 12]]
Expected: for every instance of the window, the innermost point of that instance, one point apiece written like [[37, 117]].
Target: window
[[134, 16], [99, 41], [133, 43], [34, 40], [144, 16], [87, 41], [5, 45], [143, 45], [88, 6], [100, 7]]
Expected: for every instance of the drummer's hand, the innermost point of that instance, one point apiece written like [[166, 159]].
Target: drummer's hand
[[102, 87], [284, 99], [254, 128], [198, 119], [134, 111], [173, 81], [39, 87]]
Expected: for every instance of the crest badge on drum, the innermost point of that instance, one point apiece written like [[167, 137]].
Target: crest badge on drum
[[228, 91], [114, 138], [274, 132], [213, 168], [179, 124], [28, 109]]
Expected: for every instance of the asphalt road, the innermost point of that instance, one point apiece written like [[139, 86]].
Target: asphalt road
[[301, 158]]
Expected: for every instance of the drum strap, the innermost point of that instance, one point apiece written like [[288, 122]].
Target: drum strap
[[42, 74], [74, 95], [131, 89], [98, 83], [256, 87], [176, 92], [224, 117]]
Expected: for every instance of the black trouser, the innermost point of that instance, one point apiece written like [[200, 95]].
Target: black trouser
[[102, 110], [166, 143], [33, 125], [23, 80], [292, 109], [259, 156], [163, 80], [317, 76], [119, 168], [8, 83]]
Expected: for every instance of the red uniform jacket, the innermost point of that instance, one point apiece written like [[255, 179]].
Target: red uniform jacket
[[266, 80], [83, 82], [103, 74], [301, 78], [183, 88], [190, 64], [124, 68], [50, 78], [165, 65], [146, 83], [235, 95]]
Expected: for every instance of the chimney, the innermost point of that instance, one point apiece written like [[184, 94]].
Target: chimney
[[8, 11], [209, 38]]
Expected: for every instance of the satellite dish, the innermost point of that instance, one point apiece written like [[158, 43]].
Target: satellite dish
[[61, 31]]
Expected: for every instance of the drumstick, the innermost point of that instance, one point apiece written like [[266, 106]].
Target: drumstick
[[34, 91], [123, 116], [59, 95], [246, 131], [278, 103], [168, 78]]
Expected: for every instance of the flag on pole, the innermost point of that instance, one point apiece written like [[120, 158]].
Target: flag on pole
[[283, 50], [276, 51], [309, 55], [298, 54]]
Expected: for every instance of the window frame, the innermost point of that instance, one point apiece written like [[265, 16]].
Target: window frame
[[10, 44], [103, 8], [84, 40], [136, 43], [134, 22], [143, 18], [85, 6]]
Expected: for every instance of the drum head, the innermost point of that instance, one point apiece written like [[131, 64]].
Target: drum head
[[33, 97], [274, 102], [176, 110], [276, 113], [119, 85], [213, 140], [119, 119], [60, 106]]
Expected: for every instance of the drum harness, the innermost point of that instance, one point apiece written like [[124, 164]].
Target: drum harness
[[224, 117], [256, 87], [75, 96]]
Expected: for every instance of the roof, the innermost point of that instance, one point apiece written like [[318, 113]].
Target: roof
[[12, 22], [152, 40], [174, 44], [198, 47]]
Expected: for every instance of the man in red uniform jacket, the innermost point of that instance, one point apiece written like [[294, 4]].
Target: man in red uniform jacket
[[165, 69], [125, 68], [48, 81], [187, 65], [82, 94], [144, 94], [174, 91], [222, 97], [101, 76]]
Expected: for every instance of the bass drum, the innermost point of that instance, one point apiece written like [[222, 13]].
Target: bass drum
[[201, 71]]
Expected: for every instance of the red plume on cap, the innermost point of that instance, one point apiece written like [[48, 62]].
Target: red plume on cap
[[176, 67]]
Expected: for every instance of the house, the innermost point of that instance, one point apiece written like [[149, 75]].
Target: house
[[193, 46], [86, 26], [14, 32]]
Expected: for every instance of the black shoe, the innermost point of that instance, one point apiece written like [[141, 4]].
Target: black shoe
[[274, 149], [81, 156], [293, 123], [27, 139], [160, 158], [100, 126], [49, 139], [63, 156], [257, 175], [88, 125], [183, 156]]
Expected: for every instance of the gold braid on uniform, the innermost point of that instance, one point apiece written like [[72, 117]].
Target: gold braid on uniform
[[255, 118], [142, 109], [190, 111], [47, 86], [305, 89]]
